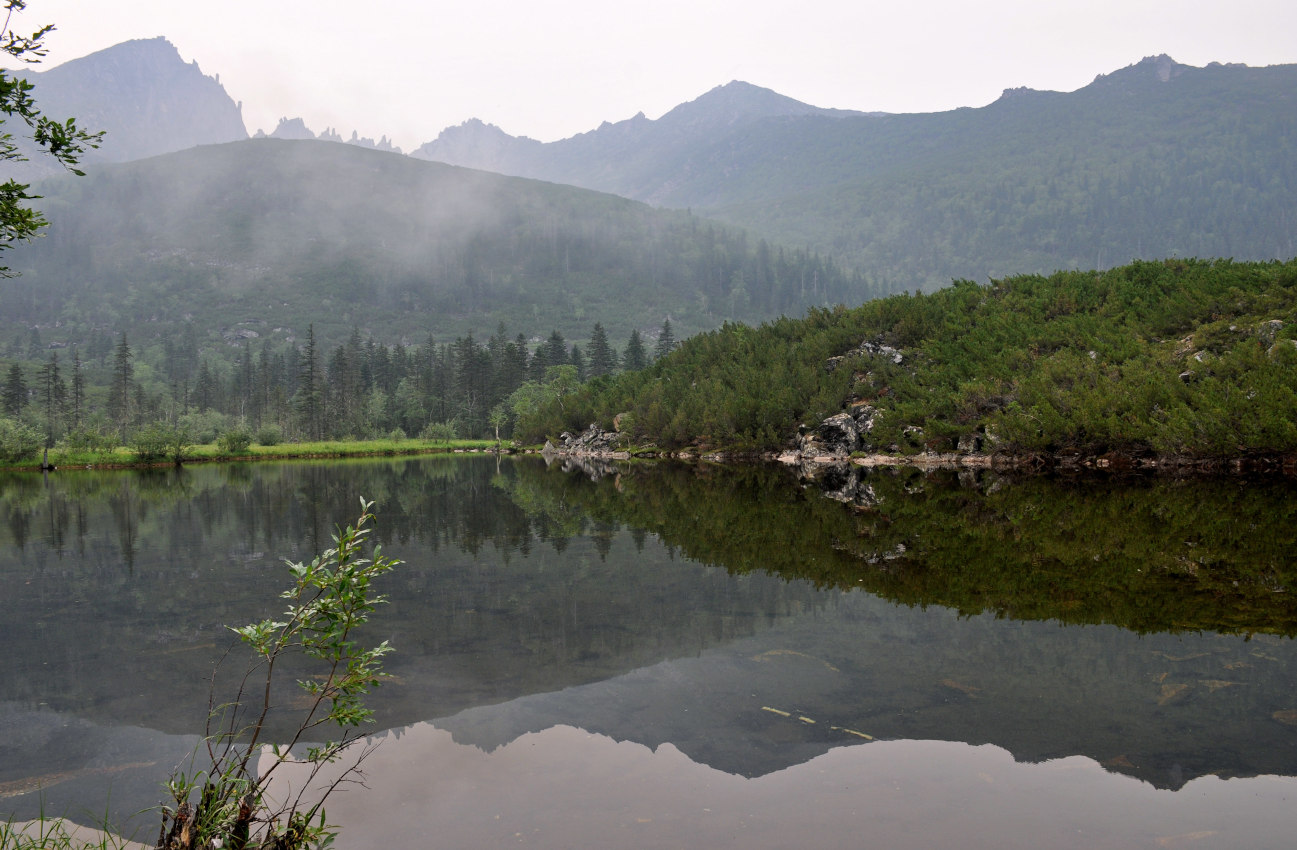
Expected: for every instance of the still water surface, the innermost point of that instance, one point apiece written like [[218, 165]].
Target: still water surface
[[674, 656]]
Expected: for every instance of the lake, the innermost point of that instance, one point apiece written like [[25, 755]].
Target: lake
[[666, 655]]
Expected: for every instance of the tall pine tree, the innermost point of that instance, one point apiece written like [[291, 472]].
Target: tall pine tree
[[600, 358]]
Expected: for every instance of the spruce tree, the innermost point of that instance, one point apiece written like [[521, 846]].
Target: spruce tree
[[54, 393], [78, 389], [121, 398], [310, 390], [15, 391], [634, 358], [578, 360], [601, 359], [666, 341]]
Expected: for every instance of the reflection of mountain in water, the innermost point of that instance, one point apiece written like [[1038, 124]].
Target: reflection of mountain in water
[[535, 597], [565, 787], [1160, 707]]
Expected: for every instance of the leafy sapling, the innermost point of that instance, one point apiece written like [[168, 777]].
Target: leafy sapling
[[238, 804]]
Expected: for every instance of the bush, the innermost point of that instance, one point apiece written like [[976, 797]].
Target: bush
[[396, 435], [18, 442], [269, 435], [234, 441], [88, 440], [161, 442], [232, 802], [204, 427], [442, 432]]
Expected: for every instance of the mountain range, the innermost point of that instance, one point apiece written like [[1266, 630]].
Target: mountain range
[[1153, 160], [1158, 159]]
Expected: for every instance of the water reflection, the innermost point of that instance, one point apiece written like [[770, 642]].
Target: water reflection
[[736, 618], [566, 787]]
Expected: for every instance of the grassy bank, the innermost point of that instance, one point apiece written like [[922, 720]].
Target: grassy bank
[[121, 456]]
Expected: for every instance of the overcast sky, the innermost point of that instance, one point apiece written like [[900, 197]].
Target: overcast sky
[[552, 69]]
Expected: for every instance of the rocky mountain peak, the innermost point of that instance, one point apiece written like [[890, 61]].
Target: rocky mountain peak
[[147, 99]]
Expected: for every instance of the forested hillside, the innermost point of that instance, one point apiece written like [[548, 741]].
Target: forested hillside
[[1155, 160], [1186, 357], [269, 236], [324, 290]]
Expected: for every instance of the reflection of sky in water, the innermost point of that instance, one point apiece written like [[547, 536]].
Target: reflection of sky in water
[[564, 787]]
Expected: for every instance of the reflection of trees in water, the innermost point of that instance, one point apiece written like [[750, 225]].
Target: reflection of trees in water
[[508, 596], [1149, 554], [1145, 554]]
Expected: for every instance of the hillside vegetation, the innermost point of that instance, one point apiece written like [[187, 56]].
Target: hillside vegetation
[[1155, 160], [268, 235], [1191, 357]]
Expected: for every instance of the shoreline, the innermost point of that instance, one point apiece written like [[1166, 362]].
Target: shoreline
[[1033, 463], [1029, 463], [487, 447]]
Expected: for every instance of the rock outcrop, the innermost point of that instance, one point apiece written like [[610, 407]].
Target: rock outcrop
[[592, 442]]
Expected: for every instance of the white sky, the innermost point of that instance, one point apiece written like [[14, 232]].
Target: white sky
[[552, 69]]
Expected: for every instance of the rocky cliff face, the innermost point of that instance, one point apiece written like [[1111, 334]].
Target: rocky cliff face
[[147, 99]]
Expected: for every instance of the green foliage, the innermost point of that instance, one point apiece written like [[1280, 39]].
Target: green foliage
[[269, 435], [159, 441], [235, 441], [1150, 556], [1190, 357], [88, 440], [205, 426], [18, 442], [231, 798], [442, 432]]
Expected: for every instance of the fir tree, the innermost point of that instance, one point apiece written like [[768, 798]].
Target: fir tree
[[601, 359], [78, 389], [666, 341], [310, 390], [121, 398], [15, 391], [54, 394], [634, 358]]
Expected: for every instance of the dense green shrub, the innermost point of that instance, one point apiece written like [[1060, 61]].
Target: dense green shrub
[[18, 442], [439, 431], [234, 440], [205, 426], [88, 440], [269, 435], [161, 442]]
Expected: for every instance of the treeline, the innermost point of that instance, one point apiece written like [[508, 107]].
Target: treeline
[[360, 389], [1190, 357]]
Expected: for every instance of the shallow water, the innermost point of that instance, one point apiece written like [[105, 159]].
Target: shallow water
[[689, 656]]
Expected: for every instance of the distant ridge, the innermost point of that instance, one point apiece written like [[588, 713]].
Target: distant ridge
[[1156, 159], [623, 157], [296, 129]]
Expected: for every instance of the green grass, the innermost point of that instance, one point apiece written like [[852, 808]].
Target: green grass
[[210, 452]]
